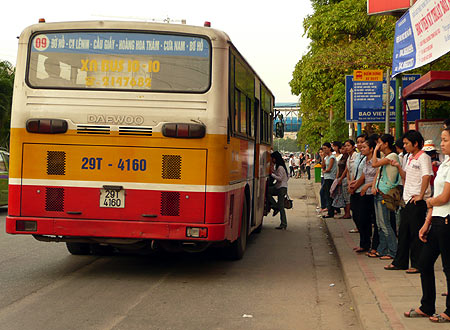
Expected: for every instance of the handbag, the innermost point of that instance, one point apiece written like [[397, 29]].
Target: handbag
[[288, 203], [393, 199]]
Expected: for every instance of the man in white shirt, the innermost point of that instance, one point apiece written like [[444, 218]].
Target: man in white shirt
[[291, 165], [416, 177]]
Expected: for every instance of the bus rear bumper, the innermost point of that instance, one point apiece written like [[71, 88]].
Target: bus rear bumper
[[114, 229]]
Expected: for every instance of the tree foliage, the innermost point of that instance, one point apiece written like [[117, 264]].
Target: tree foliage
[[286, 144], [6, 91], [343, 38]]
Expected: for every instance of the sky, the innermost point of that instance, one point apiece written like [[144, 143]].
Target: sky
[[268, 34]]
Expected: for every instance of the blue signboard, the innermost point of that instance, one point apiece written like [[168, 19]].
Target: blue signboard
[[367, 94], [129, 43], [371, 108]]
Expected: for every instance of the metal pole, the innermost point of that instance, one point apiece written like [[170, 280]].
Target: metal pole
[[398, 107], [388, 103]]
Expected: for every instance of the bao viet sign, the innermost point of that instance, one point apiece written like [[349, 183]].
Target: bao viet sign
[[365, 101], [422, 35]]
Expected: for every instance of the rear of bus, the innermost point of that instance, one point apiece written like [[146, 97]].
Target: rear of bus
[[116, 129]]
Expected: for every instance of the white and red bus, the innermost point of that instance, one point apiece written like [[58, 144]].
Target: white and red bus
[[133, 134]]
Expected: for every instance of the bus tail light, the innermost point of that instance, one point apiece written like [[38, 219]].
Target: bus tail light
[[46, 126], [25, 225], [180, 130], [196, 232]]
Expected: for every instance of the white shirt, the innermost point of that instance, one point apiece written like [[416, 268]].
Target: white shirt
[[442, 177], [350, 164], [416, 167], [291, 161]]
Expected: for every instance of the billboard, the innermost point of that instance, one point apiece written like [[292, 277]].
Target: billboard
[[387, 7], [422, 35]]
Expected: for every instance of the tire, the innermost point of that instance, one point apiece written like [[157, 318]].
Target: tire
[[79, 249], [259, 228], [237, 249]]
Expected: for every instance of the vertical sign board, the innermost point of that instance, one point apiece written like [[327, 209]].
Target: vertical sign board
[[372, 107]]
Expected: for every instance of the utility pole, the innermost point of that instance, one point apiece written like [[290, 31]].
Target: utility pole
[[398, 107], [388, 103]]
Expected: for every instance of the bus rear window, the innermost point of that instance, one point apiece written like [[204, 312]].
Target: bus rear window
[[120, 61]]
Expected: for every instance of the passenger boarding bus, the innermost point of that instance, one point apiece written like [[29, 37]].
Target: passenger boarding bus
[[131, 135]]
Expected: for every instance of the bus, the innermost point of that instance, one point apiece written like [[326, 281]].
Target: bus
[[136, 135]]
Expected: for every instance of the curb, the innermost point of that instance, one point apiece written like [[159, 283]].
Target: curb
[[367, 306]]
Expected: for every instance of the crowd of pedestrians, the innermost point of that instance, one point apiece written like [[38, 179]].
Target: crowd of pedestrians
[[398, 195]]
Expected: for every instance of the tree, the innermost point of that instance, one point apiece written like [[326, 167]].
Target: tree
[[343, 38], [6, 91], [286, 144]]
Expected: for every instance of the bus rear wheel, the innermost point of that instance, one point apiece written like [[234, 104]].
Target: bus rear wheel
[[80, 249], [237, 249]]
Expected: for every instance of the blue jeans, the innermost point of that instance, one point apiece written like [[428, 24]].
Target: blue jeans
[[388, 241]]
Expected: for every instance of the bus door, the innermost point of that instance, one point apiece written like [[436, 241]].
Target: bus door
[[255, 190]]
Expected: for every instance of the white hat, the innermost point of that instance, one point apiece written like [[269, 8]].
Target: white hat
[[428, 146]]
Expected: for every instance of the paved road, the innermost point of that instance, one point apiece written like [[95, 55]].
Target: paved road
[[287, 280]]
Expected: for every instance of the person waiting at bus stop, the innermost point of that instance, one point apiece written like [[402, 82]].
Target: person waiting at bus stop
[[279, 189], [435, 233]]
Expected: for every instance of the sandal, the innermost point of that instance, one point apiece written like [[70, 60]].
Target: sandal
[[392, 267], [438, 318], [353, 231], [412, 271], [413, 313], [374, 255], [386, 258], [371, 251]]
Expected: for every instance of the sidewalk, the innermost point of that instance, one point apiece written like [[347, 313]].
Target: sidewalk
[[380, 296]]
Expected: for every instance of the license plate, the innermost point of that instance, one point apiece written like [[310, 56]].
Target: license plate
[[112, 198]]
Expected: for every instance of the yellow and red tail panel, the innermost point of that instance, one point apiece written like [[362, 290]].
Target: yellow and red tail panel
[[168, 185]]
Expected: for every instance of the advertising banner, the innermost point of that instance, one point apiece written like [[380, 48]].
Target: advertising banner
[[422, 35]]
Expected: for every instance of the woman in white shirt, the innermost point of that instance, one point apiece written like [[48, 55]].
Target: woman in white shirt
[[435, 234]]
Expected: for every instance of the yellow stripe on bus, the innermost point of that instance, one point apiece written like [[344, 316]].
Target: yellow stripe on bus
[[210, 160]]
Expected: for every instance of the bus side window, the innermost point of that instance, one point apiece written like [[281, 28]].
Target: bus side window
[[243, 108], [237, 100]]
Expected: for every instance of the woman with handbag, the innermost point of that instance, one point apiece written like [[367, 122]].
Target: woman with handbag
[[435, 234], [387, 178], [280, 188], [416, 189]]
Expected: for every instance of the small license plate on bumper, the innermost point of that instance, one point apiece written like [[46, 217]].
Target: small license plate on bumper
[[112, 198]]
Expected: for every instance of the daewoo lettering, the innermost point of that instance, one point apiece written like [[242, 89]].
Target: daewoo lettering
[[116, 119]]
